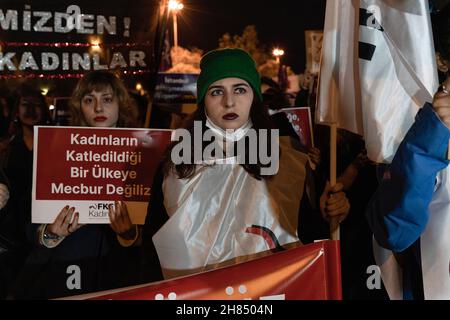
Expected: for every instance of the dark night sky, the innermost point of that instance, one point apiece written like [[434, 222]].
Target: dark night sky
[[281, 22]]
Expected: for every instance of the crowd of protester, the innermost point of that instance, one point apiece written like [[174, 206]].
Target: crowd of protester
[[34, 258]]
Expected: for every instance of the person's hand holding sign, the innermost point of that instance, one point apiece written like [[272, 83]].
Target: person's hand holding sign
[[120, 221], [64, 225]]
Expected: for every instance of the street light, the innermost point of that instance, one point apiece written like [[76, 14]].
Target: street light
[[95, 44], [277, 52], [175, 6]]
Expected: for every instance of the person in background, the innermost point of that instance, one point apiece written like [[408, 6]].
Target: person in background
[[358, 176], [274, 99], [409, 213], [16, 161], [6, 246], [305, 81], [5, 114]]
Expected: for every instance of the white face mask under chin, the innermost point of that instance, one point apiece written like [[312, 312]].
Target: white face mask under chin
[[230, 135], [226, 138]]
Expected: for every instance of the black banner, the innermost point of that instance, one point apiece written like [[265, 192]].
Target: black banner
[[65, 38]]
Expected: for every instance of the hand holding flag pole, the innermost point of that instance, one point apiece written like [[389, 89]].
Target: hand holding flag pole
[[334, 204], [334, 222]]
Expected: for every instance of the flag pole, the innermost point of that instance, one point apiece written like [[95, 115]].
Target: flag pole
[[334, 222]]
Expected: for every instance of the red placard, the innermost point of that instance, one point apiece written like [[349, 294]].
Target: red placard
[[300, 118], [90, 167]]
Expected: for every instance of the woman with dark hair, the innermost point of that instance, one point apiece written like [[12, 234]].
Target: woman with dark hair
[[233, 204], [16, 160]]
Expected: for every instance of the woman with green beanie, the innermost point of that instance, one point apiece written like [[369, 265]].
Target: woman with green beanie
[[220, 210]]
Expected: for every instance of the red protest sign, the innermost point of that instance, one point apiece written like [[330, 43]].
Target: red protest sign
[[300, 118], [309, 272], [89, 168]]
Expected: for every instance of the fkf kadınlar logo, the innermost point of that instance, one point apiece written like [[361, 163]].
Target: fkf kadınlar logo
[[98, 210]]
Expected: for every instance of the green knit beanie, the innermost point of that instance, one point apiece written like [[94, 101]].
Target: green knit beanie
[[227, 63]]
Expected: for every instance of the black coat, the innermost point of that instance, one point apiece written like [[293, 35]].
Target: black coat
[[16, 165]]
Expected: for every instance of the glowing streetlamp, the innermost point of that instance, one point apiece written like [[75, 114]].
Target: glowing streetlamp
[[277, 52], [175, 6], [95, 44]]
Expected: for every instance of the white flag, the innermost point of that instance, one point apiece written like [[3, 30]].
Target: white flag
[[378, 68]]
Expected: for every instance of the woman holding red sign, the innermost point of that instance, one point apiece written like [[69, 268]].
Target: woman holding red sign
[[70, 258], [99, 100]]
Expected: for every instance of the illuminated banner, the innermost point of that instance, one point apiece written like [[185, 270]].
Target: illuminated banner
[[313, 44], [65, 38], [89, 168], [176, 88], [309, 272]]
